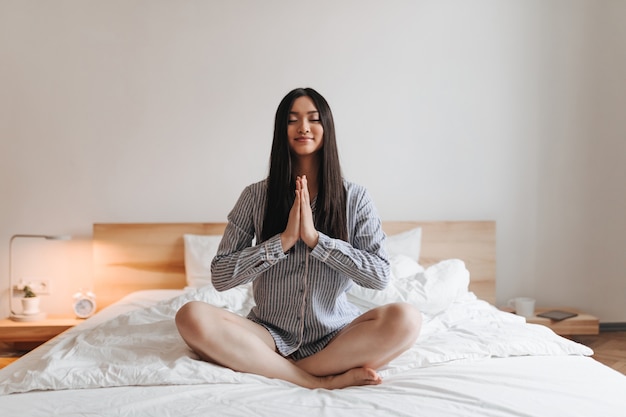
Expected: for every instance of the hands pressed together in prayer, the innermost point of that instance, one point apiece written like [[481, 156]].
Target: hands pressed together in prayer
[[300, 223]]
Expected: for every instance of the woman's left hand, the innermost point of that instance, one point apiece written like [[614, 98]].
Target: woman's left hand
[[308, 233]]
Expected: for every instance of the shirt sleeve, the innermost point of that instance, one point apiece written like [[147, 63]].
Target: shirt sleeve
[[364, 259], [237, 261]]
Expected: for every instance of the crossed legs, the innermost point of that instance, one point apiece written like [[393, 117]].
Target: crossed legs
[[351, 358]]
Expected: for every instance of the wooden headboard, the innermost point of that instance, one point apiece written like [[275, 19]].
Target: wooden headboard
[[139, 256]]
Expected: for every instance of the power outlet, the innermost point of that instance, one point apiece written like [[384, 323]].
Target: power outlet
[[38, 285]]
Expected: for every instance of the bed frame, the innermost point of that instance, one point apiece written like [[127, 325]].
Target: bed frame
[[130, 257]]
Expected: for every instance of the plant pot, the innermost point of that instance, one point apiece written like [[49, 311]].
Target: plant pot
[[30, 305]]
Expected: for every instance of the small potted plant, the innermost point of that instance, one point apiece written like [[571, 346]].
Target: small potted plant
[[30, 301]]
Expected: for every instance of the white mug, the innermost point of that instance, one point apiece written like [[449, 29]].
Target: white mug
[[524, 306]]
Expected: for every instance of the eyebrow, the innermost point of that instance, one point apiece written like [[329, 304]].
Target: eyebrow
[[309, 112]]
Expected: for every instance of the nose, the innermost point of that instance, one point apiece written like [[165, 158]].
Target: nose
[[304, 127]]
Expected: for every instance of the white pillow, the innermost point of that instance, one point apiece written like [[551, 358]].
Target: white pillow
[[431, 290], [403, 266], [199, 252], [407, 243]]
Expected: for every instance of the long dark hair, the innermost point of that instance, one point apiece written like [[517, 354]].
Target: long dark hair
[[330, 213]]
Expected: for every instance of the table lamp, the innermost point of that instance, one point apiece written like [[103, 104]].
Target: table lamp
[[26, 317]]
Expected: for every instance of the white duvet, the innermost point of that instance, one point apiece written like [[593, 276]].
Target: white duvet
[[143, 348]]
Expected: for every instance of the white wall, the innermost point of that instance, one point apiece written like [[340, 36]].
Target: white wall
[[127, 111]]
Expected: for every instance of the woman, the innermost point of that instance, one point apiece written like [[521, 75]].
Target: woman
[[317, 235]]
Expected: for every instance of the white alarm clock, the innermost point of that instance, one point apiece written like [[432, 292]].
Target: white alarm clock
[[84, 304]]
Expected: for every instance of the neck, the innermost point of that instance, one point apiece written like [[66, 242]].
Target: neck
[[310, 168]]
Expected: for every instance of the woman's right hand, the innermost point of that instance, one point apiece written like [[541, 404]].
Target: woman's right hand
[[291, 235]]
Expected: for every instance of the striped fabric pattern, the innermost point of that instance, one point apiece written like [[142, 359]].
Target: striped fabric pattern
[[301, 295]]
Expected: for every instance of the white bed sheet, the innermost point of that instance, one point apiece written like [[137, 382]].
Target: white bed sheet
[[515, 386], [470, 360]]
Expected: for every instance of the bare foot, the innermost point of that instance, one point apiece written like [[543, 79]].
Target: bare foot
[[353, 377]]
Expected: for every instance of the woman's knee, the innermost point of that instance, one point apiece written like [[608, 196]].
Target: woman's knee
[[192, 317], [186, 313], [405, 319]]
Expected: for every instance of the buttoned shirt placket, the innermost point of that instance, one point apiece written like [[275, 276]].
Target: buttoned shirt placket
[[305, 292]]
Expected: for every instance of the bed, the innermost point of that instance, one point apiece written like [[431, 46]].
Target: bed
[[470, 359]]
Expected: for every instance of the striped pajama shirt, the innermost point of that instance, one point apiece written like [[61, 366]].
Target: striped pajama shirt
[[301, 295]]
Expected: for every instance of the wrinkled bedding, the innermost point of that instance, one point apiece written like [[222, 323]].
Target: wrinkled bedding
[[470, 359], [143, 347]]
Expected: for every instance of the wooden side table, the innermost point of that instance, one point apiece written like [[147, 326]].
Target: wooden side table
[[28, 335], [582, 324]]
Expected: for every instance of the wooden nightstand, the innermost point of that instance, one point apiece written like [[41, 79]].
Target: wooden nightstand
[[17, 338], [28, 335], [582, 324]]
